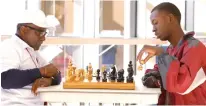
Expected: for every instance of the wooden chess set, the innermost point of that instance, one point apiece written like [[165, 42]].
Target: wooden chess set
[[102, 79]]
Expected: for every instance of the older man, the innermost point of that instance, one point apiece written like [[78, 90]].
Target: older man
[[23, 70]]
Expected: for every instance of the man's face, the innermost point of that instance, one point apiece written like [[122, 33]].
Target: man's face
[[33, 35], [160, 22]]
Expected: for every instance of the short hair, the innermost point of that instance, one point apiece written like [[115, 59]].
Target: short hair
[[170, 8]]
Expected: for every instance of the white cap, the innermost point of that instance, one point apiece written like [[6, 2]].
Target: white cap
[[52, 21], [36, 17]]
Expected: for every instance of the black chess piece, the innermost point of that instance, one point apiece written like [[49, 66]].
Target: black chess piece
[[130, 73], [113, 74], [98, 77], [120, 74], [104, 79]]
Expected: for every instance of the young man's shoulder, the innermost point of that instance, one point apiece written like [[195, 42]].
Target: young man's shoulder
[[194, 42]]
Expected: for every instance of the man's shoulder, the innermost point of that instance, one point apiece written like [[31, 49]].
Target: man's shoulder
[[194, 42], [9, 45]]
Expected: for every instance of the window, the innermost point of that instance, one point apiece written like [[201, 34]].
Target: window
[[111, 18], [200, 16]]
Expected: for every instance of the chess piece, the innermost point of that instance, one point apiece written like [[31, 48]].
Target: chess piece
[[130, 73], [141, 63], [79, 75], [103, 69], [104, 79], [113, 74], [98, 75], [70, 73], [120, 74], [90, 72]]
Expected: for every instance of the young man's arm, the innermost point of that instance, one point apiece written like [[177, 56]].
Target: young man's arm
[[151, 78], [178, 75]]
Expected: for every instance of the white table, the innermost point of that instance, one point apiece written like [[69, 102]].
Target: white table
[[141, 95]]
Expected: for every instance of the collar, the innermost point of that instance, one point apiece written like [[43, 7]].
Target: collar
[[22, 43], [185, 37]]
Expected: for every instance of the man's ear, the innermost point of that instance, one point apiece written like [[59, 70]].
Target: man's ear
[[171, 18], [23, 30]]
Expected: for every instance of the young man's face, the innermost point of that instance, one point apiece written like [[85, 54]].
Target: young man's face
[[161, 24]]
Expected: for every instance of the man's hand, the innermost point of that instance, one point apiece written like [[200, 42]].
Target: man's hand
[[151, 79], [41, 82], [151, 50], [151, 82], [48, 71]]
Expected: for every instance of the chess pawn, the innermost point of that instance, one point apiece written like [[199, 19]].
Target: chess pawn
[[120, 74], [140, 67], [141, 63], [104, 79], [98, 75]]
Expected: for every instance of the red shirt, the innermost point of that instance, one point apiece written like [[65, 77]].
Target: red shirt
[[178, 68]]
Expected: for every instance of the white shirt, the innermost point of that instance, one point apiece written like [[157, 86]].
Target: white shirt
[[14, 54]]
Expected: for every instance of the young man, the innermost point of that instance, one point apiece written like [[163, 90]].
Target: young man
[[181, 68], [23, 70]]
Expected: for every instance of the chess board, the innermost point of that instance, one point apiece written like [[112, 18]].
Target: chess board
[[86, 79], [99, 85]]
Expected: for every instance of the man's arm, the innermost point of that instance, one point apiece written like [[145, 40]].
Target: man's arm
[[56, 80], [178, 75], [15, 78], [154, 69], [11, 76]]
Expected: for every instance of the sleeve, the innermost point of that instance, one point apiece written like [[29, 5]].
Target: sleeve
[[178, 75], [14, 78], [56, 79], [154, 69], [11, 76]]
